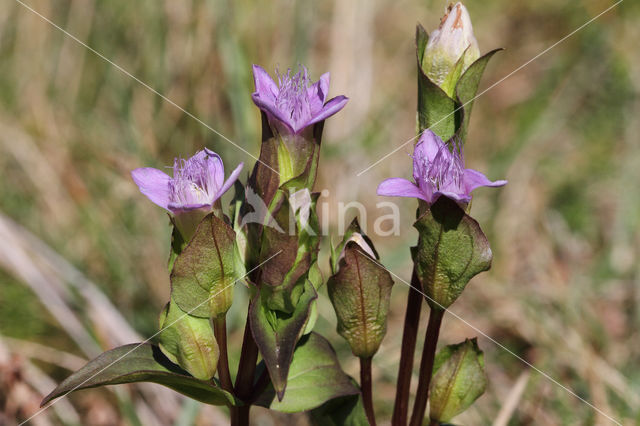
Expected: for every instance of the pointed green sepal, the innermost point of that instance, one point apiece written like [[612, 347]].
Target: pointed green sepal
[[276, 333], [315, 377]]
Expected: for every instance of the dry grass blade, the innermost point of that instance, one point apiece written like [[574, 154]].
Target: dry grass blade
[[511, 404], [52, 278]]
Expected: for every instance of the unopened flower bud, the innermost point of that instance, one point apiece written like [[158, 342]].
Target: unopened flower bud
[[451, 49], [189, 342], [458, 380], [359, 291]]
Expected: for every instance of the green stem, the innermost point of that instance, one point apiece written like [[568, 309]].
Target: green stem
[[365, 386], [220, 331], [409, 335], [246, 371], [426, 366]]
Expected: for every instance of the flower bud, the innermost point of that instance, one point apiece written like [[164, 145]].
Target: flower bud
[[458, 380], [188, 341], [359, 291], [451, 49]]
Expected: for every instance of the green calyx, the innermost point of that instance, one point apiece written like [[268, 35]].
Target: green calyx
[[203, 274], [359, 291], [188, 341], [458, 380], [451, 250]]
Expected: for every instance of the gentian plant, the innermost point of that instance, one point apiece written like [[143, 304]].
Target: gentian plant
[[269, 240]]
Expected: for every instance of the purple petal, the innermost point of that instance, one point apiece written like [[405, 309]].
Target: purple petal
[[272, 111], [474, 179], [318, 91], [399, 187], [334, 105], [215, 167], [266, 88], [154, 184], [232, 178], [424, 153], [461, 198], [177, 209]]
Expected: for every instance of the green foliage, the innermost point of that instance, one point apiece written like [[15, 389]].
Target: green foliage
[[315, 377], [188, 341], [276, 333], [140, 362], [203, 274], [345, 411], [451, 250], [438, 110], [458, 380], [360, 293]]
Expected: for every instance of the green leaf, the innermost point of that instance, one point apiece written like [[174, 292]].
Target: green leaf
[[458, 380], [276, 333], [435, 107], [451, 250], [203, 274], [140, 362], [345, 411], [315, 377], [289, 254], [264, 180], [360, 293], [467, 87], [315, 277], [188, 341]]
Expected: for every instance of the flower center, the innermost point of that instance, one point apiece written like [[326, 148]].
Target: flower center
[[292, 98], [191, 183], [446, 170]]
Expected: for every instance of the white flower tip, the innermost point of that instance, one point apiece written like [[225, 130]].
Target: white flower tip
[[449, 43], [360, 240]]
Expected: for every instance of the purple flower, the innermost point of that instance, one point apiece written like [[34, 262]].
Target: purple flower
[[294, 103], [196, 184], [437, 171]]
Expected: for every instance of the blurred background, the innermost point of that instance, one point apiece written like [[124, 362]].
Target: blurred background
[[83, 253]]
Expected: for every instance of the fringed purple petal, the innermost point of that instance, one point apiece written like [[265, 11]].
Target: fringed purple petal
[[427, 148], [154, 184], [333, 106], [317, 93], [230, 180], [215, 168], [273, 112], [399, 187], [474, 179], [266, 88]]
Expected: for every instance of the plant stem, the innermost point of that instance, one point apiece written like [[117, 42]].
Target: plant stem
[[426, 366], [246, 371], [365, 385], [409, 334], [220, 331], [261, 384]]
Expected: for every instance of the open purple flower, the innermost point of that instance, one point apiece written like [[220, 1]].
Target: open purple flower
[[294, 102], [197, 183], [437, 171]]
